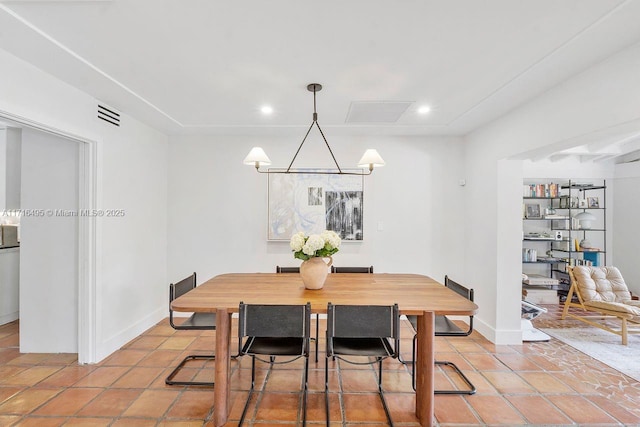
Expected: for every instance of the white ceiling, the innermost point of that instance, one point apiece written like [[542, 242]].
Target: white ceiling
[[208, 66]]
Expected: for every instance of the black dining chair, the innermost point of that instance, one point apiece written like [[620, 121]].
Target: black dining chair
[[335, 269], [362, 330], [274, 331], [287, 269], [445, 327], [197, 321], [297, 270]]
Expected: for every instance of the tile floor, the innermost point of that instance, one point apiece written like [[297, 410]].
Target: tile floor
[[530, 384]]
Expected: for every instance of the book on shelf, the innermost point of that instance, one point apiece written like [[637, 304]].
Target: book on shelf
[[549, 190], [573, 262], [539, 280]]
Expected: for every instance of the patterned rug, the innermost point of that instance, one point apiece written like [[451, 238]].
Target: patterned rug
[[603, 346]]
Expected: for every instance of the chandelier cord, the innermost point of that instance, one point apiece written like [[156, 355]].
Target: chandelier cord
[[314, 122]]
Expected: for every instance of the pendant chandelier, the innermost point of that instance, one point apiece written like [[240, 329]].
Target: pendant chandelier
[[370, 159]]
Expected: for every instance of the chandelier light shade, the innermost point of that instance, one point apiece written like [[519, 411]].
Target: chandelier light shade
[[257, 157], [371, 159]]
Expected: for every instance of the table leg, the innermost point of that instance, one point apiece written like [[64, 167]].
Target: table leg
[[424, 369], [221, 389]]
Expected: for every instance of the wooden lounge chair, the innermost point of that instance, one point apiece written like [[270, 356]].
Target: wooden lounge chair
[[602, 290]]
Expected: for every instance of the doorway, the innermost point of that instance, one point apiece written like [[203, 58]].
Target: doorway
[[57, 306]]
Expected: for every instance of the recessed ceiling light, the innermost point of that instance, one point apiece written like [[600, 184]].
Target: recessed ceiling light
[[424, 109], [266, 109]]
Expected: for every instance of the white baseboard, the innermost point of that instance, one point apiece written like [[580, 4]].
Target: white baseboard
[[498, 336], [116, 341], [6, 318]]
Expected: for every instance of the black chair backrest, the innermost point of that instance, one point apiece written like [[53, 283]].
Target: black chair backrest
[[465, 292], [335, 269], [363, 321], [287, 269], [274, 321], [180, 288], [458, 288]]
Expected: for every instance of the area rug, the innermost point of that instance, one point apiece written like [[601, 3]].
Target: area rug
[[603, 346]]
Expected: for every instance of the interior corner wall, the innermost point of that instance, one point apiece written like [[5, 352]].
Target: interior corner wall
[[131, 250], [218, 207], [605, 95]]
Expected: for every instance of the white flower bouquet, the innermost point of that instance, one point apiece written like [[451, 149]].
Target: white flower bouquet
[[315, 245]]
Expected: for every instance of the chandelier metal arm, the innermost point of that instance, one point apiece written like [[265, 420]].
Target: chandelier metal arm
[[257, 155], [313, 172], [327, 144], [300, 146]]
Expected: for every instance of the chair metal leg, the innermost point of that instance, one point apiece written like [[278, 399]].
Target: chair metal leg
[[472, 388], [169, 380], [305, 391], [326, 389], [381, 393], [253, 382], [317, 336]]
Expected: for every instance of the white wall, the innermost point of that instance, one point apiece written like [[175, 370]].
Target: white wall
[[626, 233], [218, 206], [131, 279], [608, 94], [133, 288], [49, 244]]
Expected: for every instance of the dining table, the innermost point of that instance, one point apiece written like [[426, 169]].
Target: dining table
[[415, 294]]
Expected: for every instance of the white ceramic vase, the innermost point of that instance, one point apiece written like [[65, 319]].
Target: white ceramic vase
[[314, 272]]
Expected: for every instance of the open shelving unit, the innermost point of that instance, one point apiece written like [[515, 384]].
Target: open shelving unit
[[553, 238]]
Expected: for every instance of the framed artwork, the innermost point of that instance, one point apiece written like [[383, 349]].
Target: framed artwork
[[593, 202], [533, 211], [313, 203]]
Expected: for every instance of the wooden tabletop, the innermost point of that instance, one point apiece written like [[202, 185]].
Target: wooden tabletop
[[413, 293]]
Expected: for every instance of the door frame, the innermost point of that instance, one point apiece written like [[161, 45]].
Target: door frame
[[88, 233]]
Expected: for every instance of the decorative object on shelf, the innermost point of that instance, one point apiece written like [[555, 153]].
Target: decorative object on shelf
[[574, 202], [564, 202], [532, 211], [593, 202], [313, 250], [257, 157], [582, 203], [585, 244], [585, 219]]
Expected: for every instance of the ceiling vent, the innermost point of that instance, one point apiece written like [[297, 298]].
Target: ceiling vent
[[376, 111], [108, 115]]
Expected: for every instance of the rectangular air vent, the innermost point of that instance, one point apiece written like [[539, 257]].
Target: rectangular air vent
[[108, 115], [376, 111]]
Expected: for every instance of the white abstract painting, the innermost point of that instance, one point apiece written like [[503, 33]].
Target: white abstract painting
[[313, 203]]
